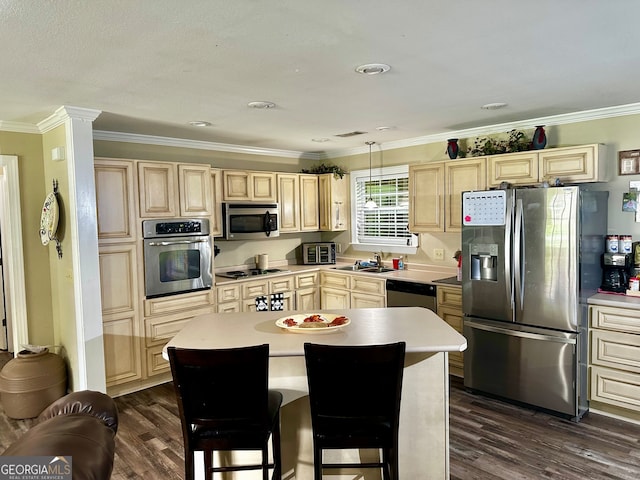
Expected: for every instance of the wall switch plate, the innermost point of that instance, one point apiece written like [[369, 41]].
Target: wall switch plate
[[438, 253]]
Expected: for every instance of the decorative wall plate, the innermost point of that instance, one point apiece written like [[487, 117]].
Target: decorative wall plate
[[49, 219]]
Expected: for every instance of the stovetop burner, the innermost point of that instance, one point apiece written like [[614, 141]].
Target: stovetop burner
[[251, 272]]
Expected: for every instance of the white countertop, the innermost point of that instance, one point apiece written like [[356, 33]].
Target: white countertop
[[420, 328], [613, 300], [422, 274]]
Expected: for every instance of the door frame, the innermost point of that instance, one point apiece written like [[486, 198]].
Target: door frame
[[13, 253]]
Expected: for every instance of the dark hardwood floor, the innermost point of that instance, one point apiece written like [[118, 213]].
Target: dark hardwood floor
[[490, 439]]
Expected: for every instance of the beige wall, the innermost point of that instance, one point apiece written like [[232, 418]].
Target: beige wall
[[62, 289], [28, 148], [619, 133]]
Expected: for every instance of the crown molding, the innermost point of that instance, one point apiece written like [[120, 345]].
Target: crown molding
[[18, 127], [64, 113], [198, 144], [562, 119]]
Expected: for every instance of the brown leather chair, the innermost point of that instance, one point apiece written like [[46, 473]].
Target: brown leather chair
[[354, 394], [81, 425], [225, 405]]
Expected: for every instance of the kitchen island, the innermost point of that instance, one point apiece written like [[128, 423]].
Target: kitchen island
[[424, 413]]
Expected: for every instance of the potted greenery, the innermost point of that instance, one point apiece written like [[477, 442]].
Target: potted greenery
[[337, 171], [516, 142]]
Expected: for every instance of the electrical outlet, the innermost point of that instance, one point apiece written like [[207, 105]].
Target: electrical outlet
[[438, 253], [338, 248]]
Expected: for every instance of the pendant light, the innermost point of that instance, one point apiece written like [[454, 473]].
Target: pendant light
[[370, 204]]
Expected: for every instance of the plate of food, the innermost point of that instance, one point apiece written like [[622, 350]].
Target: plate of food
[[313, 323]]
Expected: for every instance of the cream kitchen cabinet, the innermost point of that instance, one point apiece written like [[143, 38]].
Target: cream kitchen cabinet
[[614, 360], [344, 290], [307, 298], [461, 176], [426, 194], [449, 307], [169, 190], [285, 286], [298, 202], [115, 200], [515, 168], [240, 185], [335, 290], [121, 316], [228, 298], [334, 202], [309, 208], [585, 163], [215, 222], [435, 193], [289, 201], [164, 318]]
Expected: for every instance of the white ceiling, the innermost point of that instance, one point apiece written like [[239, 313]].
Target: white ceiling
[[151, 66]]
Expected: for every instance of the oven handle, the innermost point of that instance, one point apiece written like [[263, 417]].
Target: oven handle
[[175, 242]]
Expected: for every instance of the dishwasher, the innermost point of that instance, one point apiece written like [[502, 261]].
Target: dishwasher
[[401, 293]]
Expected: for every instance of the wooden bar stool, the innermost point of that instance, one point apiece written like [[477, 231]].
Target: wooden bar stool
[[225, 405], [354, 393]]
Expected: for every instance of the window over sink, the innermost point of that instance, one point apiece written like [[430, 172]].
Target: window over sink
[[387, 224]]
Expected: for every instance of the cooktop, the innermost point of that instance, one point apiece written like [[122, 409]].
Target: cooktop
[[249, 273]]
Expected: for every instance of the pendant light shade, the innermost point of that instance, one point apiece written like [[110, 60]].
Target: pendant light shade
[[370, 204]]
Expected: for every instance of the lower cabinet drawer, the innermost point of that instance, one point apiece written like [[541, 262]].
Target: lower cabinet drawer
[[615, 350], [156, 364], [615, 387]]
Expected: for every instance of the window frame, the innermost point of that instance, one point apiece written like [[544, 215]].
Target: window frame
[[354, 176]]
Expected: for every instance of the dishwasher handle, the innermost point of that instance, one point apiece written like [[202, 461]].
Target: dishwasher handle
[[417, 288]]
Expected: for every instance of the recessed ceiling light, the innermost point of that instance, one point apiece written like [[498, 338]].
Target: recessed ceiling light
[[320, 140], [382, 129], [494, 106], [262, 105], [200, 123], [373, 68]]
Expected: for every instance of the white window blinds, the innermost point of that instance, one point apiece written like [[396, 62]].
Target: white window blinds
[[389, 189]]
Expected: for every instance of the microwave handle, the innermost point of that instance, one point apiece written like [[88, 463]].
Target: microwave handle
[[267, 223]]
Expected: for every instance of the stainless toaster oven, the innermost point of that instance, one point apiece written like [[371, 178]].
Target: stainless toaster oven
[[318, 253]]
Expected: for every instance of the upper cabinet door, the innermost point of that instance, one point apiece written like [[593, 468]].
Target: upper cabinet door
[[289, 201], [585, 163], [334, 202], [426, 194], [241, 185], [194, 185], [263, 186], [308, 203], [514, 168], [216, 196], [115, 200], [462, 176], [157, 185]]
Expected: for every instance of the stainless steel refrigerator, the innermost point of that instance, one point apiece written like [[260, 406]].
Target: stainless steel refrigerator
[[531, 258]]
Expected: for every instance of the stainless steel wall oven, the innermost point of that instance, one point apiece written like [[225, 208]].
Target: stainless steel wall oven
[[177, 256]]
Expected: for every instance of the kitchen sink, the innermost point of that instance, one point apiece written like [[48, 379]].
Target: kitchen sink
[[377, 270], [351, 268], [358, 268]]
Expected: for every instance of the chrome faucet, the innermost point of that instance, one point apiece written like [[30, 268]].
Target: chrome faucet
[[377, 257]]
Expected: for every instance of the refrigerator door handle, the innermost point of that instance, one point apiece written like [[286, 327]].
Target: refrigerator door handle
[[518, 247], [508, 280], [518, 333]]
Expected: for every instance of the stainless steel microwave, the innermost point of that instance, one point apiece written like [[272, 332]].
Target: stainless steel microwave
[[318, 253], [250, 221]]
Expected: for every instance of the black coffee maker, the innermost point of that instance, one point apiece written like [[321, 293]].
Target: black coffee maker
[[616, 268]]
